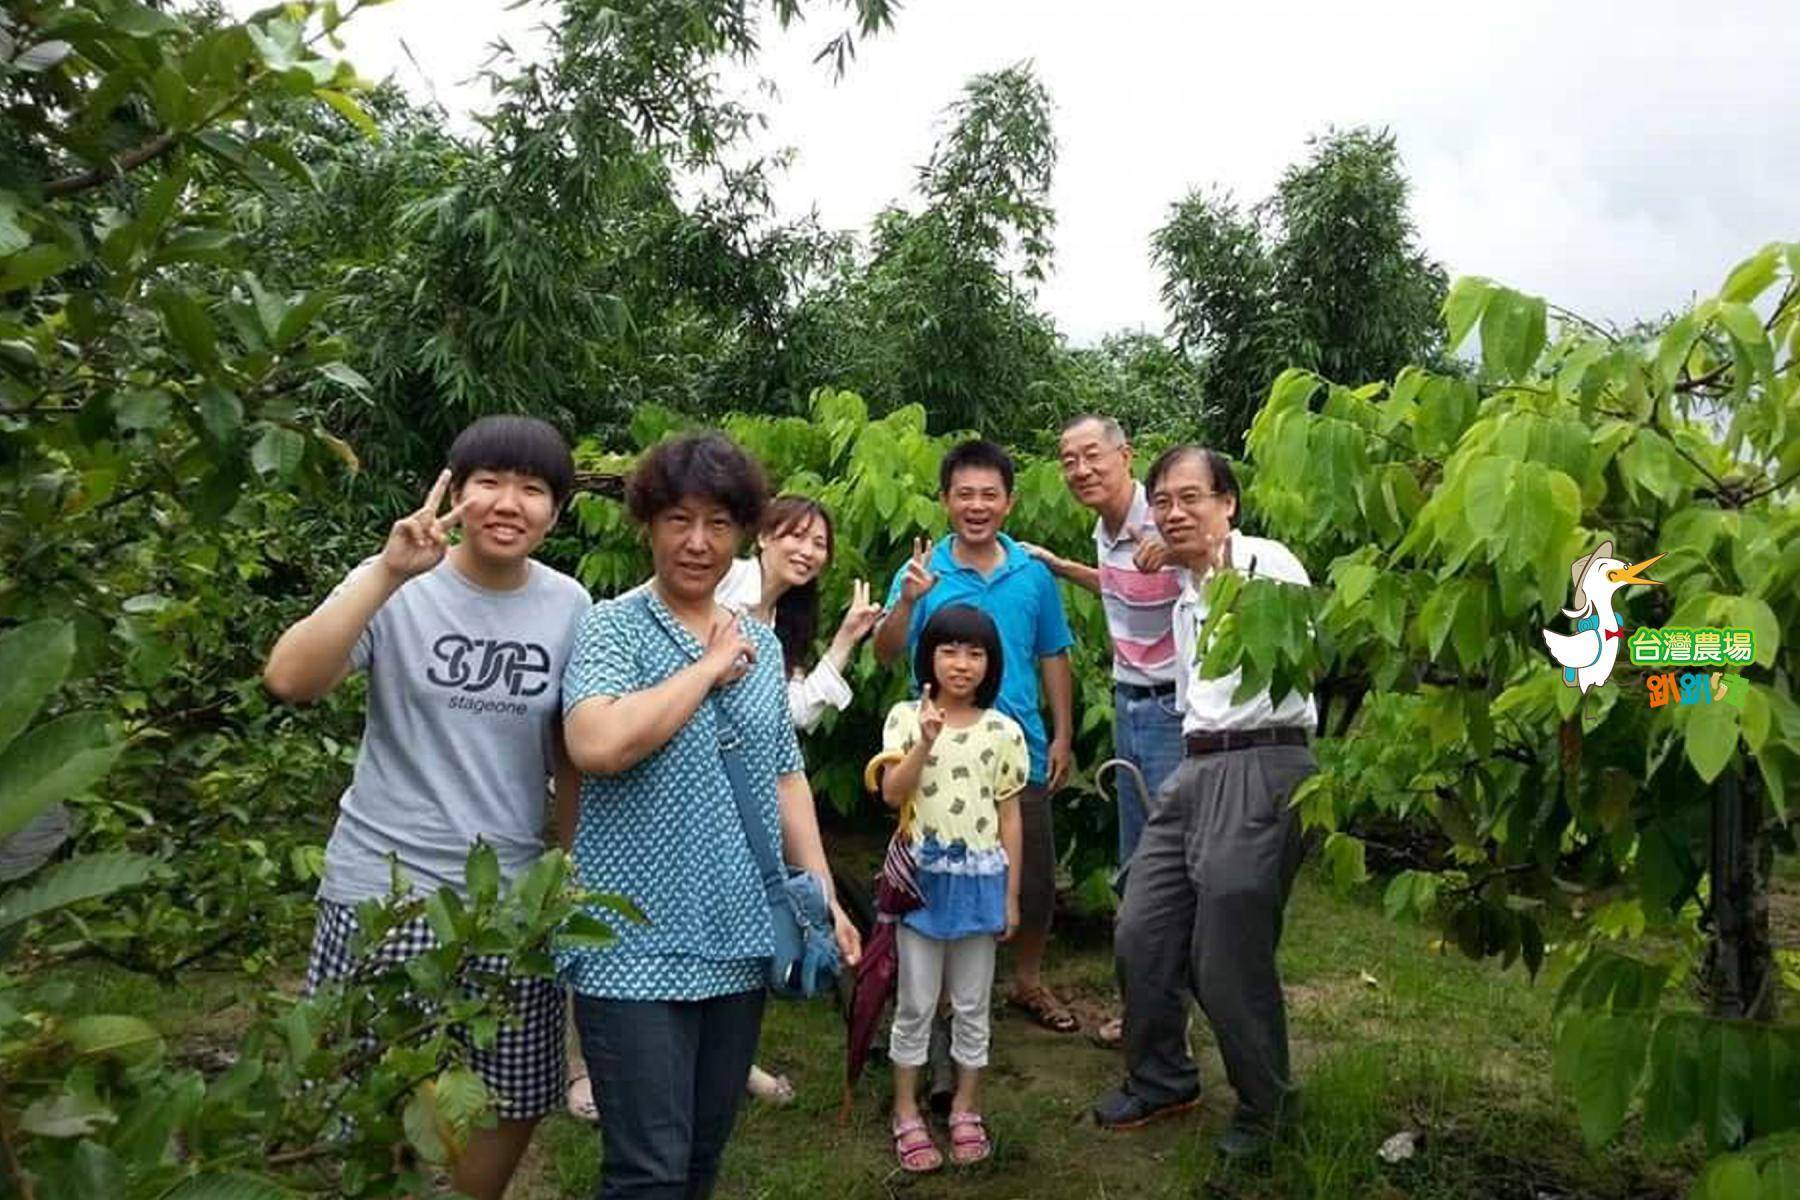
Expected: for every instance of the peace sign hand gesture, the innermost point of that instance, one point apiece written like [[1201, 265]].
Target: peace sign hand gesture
[[931, 718], [860, 618], [919, 578], [418, 542]]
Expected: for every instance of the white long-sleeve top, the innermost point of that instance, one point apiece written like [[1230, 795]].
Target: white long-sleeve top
[[810, 694]]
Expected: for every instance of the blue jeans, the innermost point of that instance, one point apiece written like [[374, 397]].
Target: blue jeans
[[668, 1075], [1147, 732]]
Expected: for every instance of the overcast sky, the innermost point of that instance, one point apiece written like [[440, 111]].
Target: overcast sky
[[1615, 157]]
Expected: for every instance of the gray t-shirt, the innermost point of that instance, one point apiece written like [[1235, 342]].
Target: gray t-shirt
[[464, 700]]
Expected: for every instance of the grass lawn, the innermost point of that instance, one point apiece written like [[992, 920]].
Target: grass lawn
[[1388, 1035]]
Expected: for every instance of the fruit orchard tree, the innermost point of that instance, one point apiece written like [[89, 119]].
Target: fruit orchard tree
[[1443, 515]]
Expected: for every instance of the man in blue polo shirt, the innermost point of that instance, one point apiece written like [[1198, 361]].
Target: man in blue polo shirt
[[977, 564]]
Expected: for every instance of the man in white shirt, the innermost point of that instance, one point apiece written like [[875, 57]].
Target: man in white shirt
[[1204, 899]]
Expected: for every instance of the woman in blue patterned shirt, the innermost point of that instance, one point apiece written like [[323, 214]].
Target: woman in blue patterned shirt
[[669, 1014]]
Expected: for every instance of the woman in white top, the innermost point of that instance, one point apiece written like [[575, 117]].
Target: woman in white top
[[780, 588]]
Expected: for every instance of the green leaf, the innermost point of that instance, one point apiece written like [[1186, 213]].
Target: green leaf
[[197, 245], [1742, 323], [1345, 861], [1354, 582], [342, 373], [1754, 614], [65, 1115], [1731, 1178], [1463, 306], [283, 157], [1470, 631], [128, 1039], [482, 874], [33, 265], [56, 760], [1781, 1177], [295, 321], [221, 412], [13, 237], [424, 1128], [461, 1098], [1607, 1066], [172, 95], [228, 1185], [140, 21], [351, 111], [145, 409], [189, 325], [278, 452], [34, 661], [1672, 1100], [95, 1173], [1710, 738], [87, 877], [1752, 277], [1725, 1083]]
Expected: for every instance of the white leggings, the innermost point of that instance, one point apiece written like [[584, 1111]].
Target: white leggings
[[928, 967]]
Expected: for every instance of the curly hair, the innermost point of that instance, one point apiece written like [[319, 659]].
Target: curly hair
[[707, 465]]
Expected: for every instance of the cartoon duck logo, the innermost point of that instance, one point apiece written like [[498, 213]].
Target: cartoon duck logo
[[1588, 654]]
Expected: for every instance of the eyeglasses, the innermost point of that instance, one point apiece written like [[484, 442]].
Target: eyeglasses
[[1187, 498], [1090, 458]]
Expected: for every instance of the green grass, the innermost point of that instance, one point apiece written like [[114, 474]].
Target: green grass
[[1388, 1034]]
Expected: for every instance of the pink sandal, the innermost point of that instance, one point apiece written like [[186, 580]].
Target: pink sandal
[[913, 1146], [969, 1142]]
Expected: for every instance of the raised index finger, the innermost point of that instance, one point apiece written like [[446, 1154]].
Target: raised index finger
[[436, 496]]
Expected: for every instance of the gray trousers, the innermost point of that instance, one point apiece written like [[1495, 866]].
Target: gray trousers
[[963, 968], [1202, 911]]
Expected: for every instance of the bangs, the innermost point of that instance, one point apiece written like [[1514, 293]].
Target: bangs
[[523, 445], [791, 514], [961, 625]]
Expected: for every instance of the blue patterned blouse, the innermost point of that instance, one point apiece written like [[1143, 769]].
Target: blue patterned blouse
[[666, 832]]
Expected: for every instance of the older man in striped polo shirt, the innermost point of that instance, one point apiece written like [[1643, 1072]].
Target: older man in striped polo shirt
[[1138, 592]]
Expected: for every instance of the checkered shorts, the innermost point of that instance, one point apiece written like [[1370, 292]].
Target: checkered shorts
[[524, 1067]]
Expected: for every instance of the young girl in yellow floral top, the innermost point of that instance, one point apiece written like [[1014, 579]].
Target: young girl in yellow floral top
[[962, 766]]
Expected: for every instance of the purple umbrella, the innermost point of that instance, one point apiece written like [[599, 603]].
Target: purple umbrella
[[896, 893]]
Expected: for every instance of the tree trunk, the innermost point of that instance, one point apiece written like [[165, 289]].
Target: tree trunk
[[1738, 975]]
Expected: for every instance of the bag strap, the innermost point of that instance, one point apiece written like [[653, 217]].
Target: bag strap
[[731, 754]]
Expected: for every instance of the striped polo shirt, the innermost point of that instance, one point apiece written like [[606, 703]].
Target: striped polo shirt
[[1138, 604]]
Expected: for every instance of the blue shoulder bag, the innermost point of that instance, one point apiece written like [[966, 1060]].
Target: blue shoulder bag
[[806, 959]]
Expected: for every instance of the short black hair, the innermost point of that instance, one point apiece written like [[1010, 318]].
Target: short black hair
[[961, 625], [525, 445], [1218, 473], [976, 452], [708, 465]]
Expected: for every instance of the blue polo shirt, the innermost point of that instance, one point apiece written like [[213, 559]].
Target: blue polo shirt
[[1026, 608]]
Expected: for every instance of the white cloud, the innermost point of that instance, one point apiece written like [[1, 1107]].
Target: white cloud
[[1616, 157]]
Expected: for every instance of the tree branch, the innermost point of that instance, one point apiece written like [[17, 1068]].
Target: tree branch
[[14, 1169], [132, 159], [1569, 314], [1771, 489]]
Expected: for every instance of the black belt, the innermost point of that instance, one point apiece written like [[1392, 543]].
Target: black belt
[[1144, 691], [1244, 739]]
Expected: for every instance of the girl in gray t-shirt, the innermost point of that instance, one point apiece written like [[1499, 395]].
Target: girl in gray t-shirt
[[464, 645]]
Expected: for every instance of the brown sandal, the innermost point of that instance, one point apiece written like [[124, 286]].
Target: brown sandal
[[1043, 1007]]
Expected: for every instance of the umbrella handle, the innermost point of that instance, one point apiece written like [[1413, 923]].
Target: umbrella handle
[[1115, 764]]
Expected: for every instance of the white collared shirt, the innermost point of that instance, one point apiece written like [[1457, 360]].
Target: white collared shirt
[[1206, 703]]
